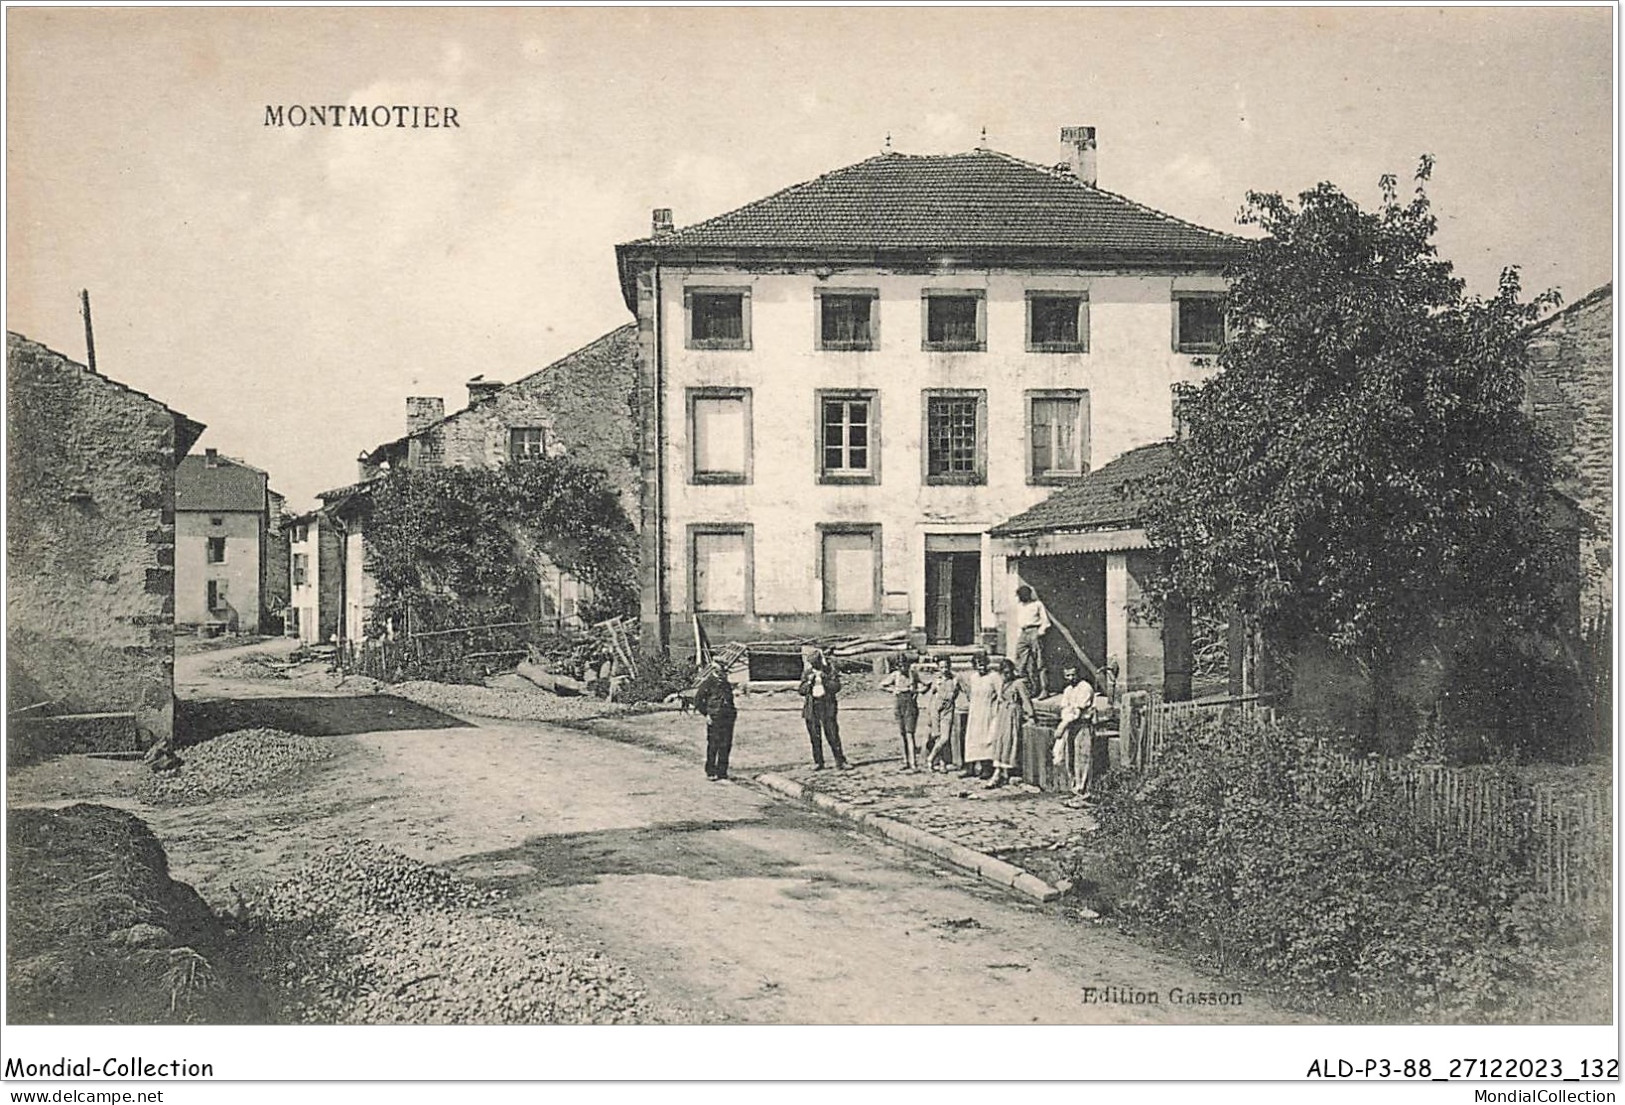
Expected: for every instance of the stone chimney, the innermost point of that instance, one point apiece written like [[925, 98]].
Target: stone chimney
[[1078, 147], [422, 410], [211, 458], [661, 224], [481, 390]]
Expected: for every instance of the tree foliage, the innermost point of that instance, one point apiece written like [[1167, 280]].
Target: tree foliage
[[1361, 471], [451, 546]]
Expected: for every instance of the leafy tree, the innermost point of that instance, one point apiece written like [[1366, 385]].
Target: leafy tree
[[457, 546], [1360, 475]]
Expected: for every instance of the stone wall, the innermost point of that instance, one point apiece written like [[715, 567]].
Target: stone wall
[[91, 540], [582, 402], [1571, 385]]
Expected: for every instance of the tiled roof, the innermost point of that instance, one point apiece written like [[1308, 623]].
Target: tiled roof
[[981, 200], [1110, 497], [226, 485]]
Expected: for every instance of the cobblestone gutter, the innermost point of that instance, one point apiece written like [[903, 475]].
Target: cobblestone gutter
[[954, 819]]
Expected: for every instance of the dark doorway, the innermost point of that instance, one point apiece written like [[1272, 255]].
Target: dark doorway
[[953, 597]]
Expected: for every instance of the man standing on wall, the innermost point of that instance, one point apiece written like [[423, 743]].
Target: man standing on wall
[[1030, 623]]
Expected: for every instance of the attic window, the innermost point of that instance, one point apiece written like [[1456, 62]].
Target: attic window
[[846, 318], [1198, 322], [527, 442], [718, 318], [1057, 322], [955, 321]]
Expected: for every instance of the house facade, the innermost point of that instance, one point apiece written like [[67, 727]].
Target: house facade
[[845, 385], [314, 567], [580, 406], [90, 580], [222, 523]]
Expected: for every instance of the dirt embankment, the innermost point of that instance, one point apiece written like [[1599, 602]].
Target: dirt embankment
[[356, 934], [98, 933]]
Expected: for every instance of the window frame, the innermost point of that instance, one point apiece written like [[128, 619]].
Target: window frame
[[695, 475], [216, 592], [826, 475], [744, 530], [975, 478], [210, 544], [741, 342], [1079, 346], [869, 346], [299, 570], [873, 531], [1056, 478], [977, 346], [1179, 298], [513, 431]]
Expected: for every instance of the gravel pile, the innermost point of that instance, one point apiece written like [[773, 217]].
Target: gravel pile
[[236, 763], [465, 699], [252, 666], [364, 935]]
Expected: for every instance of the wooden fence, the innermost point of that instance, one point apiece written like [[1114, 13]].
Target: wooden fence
[[1150, 722], [1569, 829]]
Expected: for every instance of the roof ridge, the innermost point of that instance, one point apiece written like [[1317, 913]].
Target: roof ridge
[[1590, 297]]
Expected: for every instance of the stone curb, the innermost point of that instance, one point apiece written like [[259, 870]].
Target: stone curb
[[992, 870]]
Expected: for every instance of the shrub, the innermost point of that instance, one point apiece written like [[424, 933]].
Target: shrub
[[1261, 844], [658, 675]]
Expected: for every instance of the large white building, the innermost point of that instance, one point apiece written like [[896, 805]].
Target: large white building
[[845, 385]]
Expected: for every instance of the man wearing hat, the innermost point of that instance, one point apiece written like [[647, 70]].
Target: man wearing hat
[[714, 698]]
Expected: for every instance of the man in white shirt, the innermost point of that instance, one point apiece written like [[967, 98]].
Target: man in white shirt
[[1030, 622], [1077, 716]]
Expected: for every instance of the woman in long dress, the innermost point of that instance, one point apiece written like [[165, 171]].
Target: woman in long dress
[[1014, 706], [983, 692]]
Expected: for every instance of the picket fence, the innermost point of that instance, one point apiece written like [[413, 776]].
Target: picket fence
[[1569, 829]]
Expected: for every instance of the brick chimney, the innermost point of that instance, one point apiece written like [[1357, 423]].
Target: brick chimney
[[1078, 147], [211, 458], [481, 390], [422, 410], [661, 224]]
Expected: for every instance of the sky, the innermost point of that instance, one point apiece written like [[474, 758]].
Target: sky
[[291, 287]]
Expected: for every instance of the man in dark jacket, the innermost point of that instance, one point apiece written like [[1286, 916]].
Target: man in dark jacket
[[714, 698], [820, 684]]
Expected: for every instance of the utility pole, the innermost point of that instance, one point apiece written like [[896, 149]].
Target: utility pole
[[90, 336]]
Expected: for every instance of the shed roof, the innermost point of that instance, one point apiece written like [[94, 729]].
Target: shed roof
[[1113, 496]]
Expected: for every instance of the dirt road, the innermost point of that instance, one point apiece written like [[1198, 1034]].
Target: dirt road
[[725, 901]]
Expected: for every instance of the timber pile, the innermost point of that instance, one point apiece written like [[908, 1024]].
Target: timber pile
[[855, 653]]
